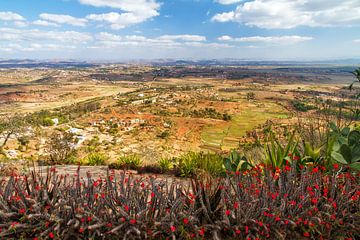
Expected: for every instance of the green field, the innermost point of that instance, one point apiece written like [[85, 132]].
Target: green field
[[226, 138]]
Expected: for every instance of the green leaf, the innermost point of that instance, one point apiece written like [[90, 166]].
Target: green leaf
[[355, 166], [338, 157], [345, 131], [346, 152], [354, 138]]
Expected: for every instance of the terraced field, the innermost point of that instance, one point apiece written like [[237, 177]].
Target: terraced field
[[226, 137]]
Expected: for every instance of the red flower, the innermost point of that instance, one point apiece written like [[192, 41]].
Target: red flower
[[238, 232], [186, 221], [236, 205], [133, 221], [306, 234], [51, 235], [296, 158], [172, 228], [227, 212], [202, 232], [315, 170], [22, 211], [336, 166], [81, 230]]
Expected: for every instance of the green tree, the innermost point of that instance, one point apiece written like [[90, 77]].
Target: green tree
[[11, 127]]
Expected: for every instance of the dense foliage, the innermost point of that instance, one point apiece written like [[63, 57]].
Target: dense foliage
[[261, 203]]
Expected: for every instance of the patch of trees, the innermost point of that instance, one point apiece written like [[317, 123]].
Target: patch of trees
[[301, 106], [208, 113]]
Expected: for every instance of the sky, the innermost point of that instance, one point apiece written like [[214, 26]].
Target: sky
[[180, 29]]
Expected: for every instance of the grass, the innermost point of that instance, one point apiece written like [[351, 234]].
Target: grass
[[227, 138], [193, 163], [95, 159]]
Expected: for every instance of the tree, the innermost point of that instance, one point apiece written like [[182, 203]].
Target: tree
[[60, 147], [11, 126]]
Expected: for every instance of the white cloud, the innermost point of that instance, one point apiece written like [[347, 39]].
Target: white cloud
[[134, 12], [147, 7], [108, 40], [287, 14], [117, 20], [274, 40], [356, 41], [63, 19], [45, 23], [184, 37], [227, 2], [21, 24], [34, 35], [224, 17], [225, 38], [10, 16]]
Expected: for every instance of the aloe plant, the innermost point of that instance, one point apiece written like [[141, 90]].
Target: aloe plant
[[277, 154], [235, 162], [346, 147], [311, 154]]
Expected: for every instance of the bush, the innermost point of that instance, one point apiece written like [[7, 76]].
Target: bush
[[60, 147], [305, 205], [302, 107], [132, 161], [95, 159], [191, 163], [166, 164]]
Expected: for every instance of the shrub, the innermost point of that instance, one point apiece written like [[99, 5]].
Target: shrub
[[302, 107], [60, 147], [132, 161], [166, 164], [95, 159], [247, 205], [191, 163]]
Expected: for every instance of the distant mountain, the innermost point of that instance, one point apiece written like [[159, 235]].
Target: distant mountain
[[28, 63]]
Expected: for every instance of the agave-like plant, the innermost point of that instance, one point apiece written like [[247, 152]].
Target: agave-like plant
[[277, 154], [235, 162]]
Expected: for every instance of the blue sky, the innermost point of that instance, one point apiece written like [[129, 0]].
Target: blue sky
[[181, 29]]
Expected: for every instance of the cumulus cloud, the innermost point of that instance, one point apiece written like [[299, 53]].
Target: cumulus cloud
[[45, 23], [63, 19], [274, 40], [224, 17], [34, 35], [227, 2], [117, 20], [184, 37], [10, 16], [287, 14], [109, 40], [133, 12]]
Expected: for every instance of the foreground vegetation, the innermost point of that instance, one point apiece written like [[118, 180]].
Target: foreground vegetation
[[261, 203]]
